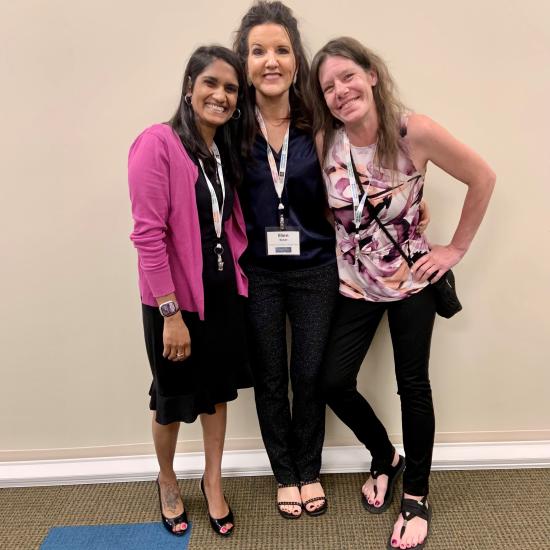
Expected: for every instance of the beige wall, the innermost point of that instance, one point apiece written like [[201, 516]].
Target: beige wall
[[81, 79]]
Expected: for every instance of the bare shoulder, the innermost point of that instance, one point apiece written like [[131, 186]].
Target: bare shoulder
[[428, 140], [424, 133], [431, 142], [421, 128]]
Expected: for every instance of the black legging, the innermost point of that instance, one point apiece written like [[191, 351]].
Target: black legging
[[411, 322], [293, 439]]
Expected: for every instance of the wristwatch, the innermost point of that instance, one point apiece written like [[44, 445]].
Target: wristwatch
[[167, 309]]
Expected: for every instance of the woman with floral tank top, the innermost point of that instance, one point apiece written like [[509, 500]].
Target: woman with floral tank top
[[374, 158]]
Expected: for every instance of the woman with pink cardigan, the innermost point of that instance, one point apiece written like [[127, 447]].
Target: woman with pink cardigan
[[189, 234]]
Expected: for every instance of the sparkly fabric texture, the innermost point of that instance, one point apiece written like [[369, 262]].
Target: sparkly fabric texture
[[293, 433]]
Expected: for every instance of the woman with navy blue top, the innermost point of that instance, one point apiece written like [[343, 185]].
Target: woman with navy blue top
[[305, 202], [290, 260]]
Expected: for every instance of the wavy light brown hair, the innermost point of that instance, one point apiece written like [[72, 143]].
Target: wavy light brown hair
[[261, 13], [388, 105]]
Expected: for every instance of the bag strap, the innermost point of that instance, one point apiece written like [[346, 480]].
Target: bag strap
[[373, 214]]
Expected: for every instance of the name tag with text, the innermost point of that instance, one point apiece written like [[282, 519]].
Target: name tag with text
[[282, 242]]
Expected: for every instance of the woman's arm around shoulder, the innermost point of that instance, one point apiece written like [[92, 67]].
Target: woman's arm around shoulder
[[319, 142], [430, 142]]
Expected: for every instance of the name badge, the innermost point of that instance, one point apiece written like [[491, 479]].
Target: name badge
[[282, 242]]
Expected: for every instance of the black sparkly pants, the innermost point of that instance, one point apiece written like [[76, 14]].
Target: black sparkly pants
[[292, 430], [411, 322]]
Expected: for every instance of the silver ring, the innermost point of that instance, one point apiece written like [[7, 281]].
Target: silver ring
[[180, 354]]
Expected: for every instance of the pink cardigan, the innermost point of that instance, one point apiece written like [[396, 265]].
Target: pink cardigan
[[166, 232]]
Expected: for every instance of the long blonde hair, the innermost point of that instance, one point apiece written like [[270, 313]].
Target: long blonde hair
[[388, 105]]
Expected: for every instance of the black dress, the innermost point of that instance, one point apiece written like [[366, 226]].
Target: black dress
[[219, 363]]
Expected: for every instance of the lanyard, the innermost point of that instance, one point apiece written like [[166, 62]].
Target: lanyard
[[277, 175], [358, 203], [217, 214]]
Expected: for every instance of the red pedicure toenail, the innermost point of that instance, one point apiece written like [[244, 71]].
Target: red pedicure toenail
[[377, 503]]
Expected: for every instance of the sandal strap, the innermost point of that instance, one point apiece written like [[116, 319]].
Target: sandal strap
[[289, 503], [314, 499], [311, 482], [287, 485], [383, 467], [411, 508], [379, 467]]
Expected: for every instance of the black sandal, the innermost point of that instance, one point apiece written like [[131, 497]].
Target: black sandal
[[284, 513], [393, 472], [172, 523], [217, 524], [319, 511], [410, 509]]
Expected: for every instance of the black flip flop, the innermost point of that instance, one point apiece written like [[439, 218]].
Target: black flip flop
[[393, 473], [410, 509]]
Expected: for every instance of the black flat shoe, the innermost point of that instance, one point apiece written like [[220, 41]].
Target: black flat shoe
[[393, 473], [410, 509], [171, 523], [320, 510], [217, 524], [284, 513]]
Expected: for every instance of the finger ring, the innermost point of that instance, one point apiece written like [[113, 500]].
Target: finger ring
[[180, 354]]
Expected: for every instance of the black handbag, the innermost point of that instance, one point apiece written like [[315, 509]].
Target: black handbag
[[446, 300], [447, 303]]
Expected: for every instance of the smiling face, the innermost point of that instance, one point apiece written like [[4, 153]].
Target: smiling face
[[214, 97], [271, 64], [347, 89]]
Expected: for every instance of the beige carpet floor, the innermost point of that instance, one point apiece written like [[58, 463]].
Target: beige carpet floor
[[475, 510]]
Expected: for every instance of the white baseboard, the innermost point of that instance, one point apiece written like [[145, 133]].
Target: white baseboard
[[447, 456]]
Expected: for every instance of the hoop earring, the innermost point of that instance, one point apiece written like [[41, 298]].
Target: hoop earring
[[236, 112], [187, 100]]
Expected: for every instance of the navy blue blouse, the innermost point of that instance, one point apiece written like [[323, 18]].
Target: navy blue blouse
[[304, 199]]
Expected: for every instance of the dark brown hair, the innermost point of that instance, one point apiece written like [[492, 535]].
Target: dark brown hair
[[276, 12], [388, 106]]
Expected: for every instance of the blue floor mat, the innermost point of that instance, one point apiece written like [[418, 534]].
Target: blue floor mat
[[129, 536]]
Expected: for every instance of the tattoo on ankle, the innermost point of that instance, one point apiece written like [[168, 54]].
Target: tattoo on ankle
[[171, 499]]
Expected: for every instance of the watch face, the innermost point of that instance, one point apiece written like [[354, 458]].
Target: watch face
[[168, 308]]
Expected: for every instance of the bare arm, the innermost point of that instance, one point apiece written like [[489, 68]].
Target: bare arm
[[431, 142]]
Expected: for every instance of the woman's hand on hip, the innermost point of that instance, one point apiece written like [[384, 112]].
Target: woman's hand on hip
[[432, 266], [176, 338]]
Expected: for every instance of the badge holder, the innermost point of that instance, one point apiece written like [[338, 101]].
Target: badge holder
[[218, 250]]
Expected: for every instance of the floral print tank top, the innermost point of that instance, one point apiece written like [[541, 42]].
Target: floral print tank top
[[378, 273]]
